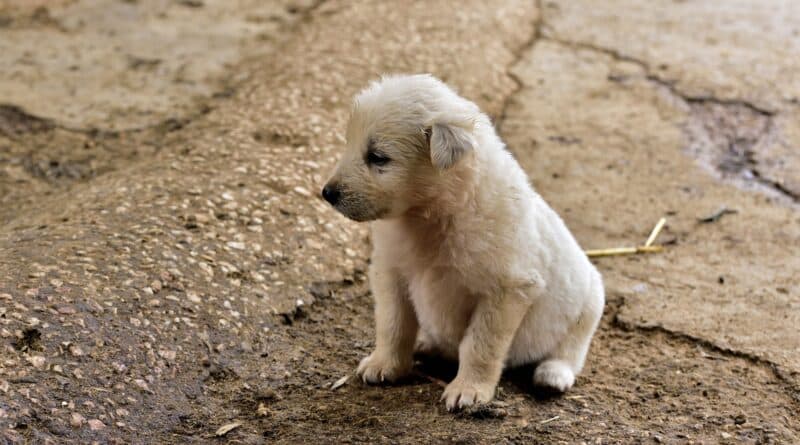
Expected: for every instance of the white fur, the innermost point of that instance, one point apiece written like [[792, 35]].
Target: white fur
[[468, 259]]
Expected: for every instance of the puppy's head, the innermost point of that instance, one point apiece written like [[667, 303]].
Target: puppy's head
[[404, 134]]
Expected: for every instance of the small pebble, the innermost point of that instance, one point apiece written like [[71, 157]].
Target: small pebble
[[76, 420]]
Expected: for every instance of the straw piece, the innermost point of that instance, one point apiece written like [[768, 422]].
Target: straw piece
[[648, 246], [554, 418], [655, 232], [623, 251]]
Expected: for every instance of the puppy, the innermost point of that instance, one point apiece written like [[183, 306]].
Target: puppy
[[467, 259]]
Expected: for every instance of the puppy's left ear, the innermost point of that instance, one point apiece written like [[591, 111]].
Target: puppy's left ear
[[449, 143]]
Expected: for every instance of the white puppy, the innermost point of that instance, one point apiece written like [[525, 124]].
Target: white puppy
[[468, 259]]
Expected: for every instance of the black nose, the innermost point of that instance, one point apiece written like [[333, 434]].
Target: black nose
[[331, 194]]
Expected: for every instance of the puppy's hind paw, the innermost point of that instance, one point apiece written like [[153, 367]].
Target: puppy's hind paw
[[555, 375], [382, 368]]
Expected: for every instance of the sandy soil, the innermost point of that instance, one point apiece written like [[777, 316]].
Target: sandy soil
[[166, 268]]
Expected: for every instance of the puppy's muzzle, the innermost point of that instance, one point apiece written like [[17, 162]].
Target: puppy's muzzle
[[332, 194]]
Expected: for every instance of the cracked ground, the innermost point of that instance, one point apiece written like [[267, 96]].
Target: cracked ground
[[166, 268]]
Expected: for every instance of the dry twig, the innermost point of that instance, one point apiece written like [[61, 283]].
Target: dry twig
[[648, 246], [655, 232], [716, 216]]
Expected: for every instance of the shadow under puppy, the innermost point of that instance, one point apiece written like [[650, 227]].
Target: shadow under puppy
[[468, 259]]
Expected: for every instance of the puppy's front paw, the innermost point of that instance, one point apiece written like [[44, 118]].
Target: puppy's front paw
[[554, 375], [381, 367], [461, 393]]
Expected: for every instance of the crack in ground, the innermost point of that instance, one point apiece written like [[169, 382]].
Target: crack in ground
[[776, 185], [670, 85], [16, 122], [519, 53], [789, 384], [727, 144]]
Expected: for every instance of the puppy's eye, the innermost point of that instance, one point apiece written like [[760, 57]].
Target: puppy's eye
[[377, 159]]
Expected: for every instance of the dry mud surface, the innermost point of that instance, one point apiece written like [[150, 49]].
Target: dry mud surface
[[167, 270]]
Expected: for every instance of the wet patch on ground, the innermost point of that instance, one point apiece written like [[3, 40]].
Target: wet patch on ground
[[734, 142]]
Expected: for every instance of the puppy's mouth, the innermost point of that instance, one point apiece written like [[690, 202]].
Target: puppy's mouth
[[359, 215], [355, 209]]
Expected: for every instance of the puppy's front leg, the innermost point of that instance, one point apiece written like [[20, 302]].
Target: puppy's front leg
[[482, 352], [395, 329]]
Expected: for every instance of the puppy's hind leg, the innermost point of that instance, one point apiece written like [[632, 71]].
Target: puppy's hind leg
[[558, 371]]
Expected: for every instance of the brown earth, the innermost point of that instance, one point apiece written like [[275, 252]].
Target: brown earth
[[166, 268]]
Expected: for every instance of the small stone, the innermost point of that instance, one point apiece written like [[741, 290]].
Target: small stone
[[142, 385], [75, 350], [726, 435], [76, 420], [236, 245], [96, 425], [66, 310], [301, 191], [268, 394], [225, 429], [37, 361], [193, 297]]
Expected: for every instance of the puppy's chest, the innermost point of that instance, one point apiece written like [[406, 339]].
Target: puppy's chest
[[423, 248], [442, 297], [442, 303]]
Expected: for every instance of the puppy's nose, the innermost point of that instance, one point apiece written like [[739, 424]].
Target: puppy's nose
[[331, 194]]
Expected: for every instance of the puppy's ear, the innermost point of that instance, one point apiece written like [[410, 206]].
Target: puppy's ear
[[449, 143]]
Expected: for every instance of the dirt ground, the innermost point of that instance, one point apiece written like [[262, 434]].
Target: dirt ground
[[168, 274]]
